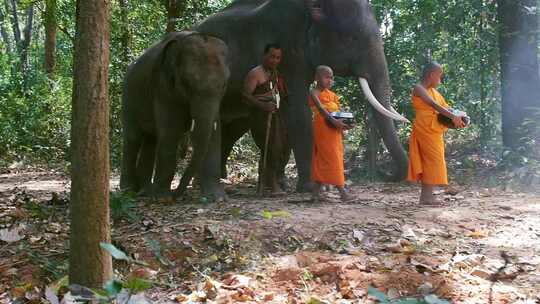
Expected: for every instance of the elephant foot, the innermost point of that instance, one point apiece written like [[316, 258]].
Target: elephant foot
[[304, 186]]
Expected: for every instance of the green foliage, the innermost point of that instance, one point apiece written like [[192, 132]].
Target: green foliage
[[35, 111], [123, 205], [115, 252], [114, 290]]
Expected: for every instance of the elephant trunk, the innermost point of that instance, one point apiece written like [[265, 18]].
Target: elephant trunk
[[379, 84], [202, 130]]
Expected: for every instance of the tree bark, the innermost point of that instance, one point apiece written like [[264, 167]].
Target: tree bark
[[4, 33], [518, 43], [89, 265], [25, 45], [174, 9], [11, 7], [50, 37], [125, 39]]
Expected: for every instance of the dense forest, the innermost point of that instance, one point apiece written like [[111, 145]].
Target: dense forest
[[62, 68], [37, 54]]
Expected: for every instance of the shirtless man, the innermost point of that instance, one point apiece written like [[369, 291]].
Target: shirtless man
[[264, 90]]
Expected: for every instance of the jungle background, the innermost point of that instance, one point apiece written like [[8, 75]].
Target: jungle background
[[36, 68]]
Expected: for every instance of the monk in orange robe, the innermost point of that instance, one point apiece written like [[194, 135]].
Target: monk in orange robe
[[426, 146], [327, 159]]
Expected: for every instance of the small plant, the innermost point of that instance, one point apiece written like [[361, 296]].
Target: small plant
[[123, 205], [119, 291]]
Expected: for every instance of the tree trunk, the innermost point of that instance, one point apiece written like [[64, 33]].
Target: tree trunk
[[89, 265], [4, 33], [11, 7], [125, 39], [50, 37], [25, 45], [174, 9], [520, 80]]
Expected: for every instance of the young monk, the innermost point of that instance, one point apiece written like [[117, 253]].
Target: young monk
[[426, 146], [327, 162]]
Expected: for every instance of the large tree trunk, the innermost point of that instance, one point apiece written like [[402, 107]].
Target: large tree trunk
[[50, 37], [89, 265], [520, 80]]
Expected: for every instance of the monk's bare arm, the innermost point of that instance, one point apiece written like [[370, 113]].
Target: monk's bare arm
[[421, 92], [250, 83]]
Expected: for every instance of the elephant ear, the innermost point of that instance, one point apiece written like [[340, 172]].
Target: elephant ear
[[169, 59], [337, 15]]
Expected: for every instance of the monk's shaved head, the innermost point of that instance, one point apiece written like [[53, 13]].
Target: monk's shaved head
[[323, 70], [429, 68]]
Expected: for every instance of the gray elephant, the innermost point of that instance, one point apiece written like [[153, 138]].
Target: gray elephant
[[342, 34], [175, 86]]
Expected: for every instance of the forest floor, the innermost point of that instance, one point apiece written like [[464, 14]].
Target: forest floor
[[481, 246]]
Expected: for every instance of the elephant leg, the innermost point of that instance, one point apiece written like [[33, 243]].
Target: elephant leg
[[230, 135], [145, 164], [300, 136], [210, 171], [130, 152], [165, 164]]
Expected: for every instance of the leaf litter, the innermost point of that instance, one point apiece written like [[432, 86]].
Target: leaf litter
[[287, 250]]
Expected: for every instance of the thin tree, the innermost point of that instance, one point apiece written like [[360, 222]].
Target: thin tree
[[50, 37], [174, 10], [4, 33], [125, 39], [520, 79], [89, 265]]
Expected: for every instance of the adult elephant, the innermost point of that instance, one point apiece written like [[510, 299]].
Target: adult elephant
[[177, 84], [342, 34]]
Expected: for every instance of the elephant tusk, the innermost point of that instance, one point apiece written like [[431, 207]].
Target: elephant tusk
[[192, 125], [377, 105]]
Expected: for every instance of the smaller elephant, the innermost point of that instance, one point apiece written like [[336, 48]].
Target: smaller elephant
[[175, 86]]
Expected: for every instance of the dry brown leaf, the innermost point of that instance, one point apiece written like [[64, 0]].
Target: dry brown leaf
[[477, 234]]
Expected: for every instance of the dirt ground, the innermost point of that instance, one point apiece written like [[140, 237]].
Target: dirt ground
[[482, 246]]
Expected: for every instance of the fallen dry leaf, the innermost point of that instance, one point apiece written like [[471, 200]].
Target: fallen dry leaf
[[477, 234]]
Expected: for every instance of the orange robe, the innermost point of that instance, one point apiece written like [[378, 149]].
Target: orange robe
[[426, 145], [327, 158]]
